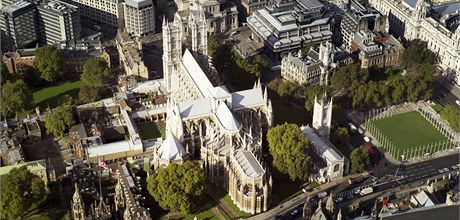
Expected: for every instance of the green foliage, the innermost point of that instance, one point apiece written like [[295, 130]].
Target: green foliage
[[442, 185], [178, 187], [417, 85], [360, 160], [95, 73], [285, 89], [4, 73], [20, 189], [213, 44], [49, 62], [16, 98], [89, 94], [57, 121], [451, 114], [95, 77], [312, 92], [348, 74], [287, 145], [417, 53]]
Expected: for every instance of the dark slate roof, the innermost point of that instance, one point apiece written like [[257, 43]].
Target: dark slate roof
[[427, 213], [411, 3], [447, 8]]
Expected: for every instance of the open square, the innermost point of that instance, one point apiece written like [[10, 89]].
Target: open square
[[408, 130]]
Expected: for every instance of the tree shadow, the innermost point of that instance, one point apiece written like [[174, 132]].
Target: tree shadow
[[57, 100]]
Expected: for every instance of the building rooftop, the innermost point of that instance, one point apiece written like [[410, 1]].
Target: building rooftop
[[325, 149], [33, 166], [226, 118], [58, 6], [249, 164], [11, 9], [247, 98], [436, 212], [171, 149], [139, 3], [195, 108], [197, 74]]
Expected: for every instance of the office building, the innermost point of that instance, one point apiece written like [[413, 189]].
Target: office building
[[108, 12], [18, 25], [57, 22], [288, 26], [139, 17], [358, 18]]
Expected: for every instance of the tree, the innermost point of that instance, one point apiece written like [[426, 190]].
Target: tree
[[340, 136], [16, 98], [213, 45], [178, 187], [49, 62], [360, 160], [4, 73], [287, 145], [346, 75], [57, 121], [89, 94], [417, 53], [20, 189], [95, 77], [95, 73], [311, 92], [451, 114]]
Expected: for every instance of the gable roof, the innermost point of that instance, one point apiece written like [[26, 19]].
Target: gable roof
[[171, 149]]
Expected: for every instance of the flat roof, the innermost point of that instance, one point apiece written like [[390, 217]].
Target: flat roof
[[33, 166]]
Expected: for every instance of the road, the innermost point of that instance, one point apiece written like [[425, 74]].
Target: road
[[382, 179]]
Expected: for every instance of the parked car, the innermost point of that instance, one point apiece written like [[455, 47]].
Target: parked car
[[367, 139]]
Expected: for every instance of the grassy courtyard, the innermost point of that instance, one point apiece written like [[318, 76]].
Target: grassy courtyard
[[408, 130], [152, 130], [53, 95]]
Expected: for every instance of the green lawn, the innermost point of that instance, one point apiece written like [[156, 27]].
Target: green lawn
[[409, 130], [151, 130], [53, 95]]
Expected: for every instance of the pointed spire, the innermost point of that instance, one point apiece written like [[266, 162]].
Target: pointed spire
[[258, 82], [330, 203], [339, 215], [265, 94]]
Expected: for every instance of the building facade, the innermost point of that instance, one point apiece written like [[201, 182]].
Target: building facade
[[288, 26], [221, 16], [437, 25], [139, 17], [108, 12], [58, 22], [377, 49], [18, 25], [222, 130], [19, 60], [358, 18], [315, 67], [131, 59]]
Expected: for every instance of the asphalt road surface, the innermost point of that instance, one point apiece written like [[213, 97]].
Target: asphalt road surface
[[382, 179]]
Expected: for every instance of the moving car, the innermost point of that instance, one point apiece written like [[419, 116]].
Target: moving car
[[366, 191], [367, 139]]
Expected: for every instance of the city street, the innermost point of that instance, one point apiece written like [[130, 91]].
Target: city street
[[382, 179]]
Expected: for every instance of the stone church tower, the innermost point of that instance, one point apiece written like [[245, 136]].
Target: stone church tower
[[175, 34], [78, 205], [326, 57], [322, 115]]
